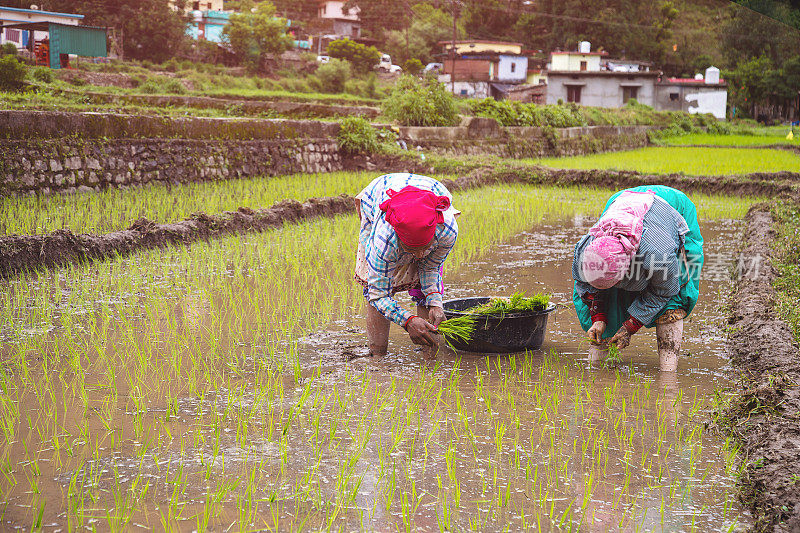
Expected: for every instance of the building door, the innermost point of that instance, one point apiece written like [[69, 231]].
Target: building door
[[574, 93], [629, 92]]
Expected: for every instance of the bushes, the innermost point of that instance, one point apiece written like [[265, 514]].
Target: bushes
[[357, 136], [42, 74], [12, 73], [510, 113], [362, 57], [413, 102], [157, 85], [413, 66], [8, 49], [333, 75]]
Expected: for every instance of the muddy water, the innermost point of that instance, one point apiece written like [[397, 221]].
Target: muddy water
[[531, 441], [637, 488]]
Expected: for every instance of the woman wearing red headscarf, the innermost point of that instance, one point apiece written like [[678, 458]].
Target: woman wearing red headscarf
[[408, 228]]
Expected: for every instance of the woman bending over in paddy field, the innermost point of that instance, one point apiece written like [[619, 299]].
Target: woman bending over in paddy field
[[639, 266], [408, 228]]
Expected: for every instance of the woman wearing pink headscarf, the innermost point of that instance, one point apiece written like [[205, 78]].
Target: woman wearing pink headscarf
[[408, 228], [639, 266]]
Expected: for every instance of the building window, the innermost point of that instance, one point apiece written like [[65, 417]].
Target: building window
[[196, 6], [629, 92], [674, 97], [574, 93], [584, 65], [513, 67]]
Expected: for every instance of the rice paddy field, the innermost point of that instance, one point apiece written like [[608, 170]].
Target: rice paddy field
[[693, 161], [765, 138], [224, 386]]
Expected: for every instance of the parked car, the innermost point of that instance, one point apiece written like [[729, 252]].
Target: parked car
[[385, 63], [323, 59], [433, 67]]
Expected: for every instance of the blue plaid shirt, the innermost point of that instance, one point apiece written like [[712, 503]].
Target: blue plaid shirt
[[384, 253]]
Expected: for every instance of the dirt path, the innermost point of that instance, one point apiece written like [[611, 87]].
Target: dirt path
[[764, 415]]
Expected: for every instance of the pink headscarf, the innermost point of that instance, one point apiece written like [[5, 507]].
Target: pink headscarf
[[414, 214], [617, 235]]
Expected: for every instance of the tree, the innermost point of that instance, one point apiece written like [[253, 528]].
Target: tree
[[151, 29], [360, 56], [256, 34], [750, 34], [333, 75], [420, 40]]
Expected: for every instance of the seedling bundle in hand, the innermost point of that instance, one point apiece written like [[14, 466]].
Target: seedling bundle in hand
[[462, 328]]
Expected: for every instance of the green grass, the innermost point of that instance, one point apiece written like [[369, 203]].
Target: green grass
[[701, 139], [787, 263], [691, 161]]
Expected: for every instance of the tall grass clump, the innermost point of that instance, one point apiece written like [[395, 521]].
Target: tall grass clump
[[357, 136], [787, 263], [415, 102]]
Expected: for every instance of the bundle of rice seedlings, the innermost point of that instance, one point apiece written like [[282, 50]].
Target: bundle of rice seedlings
[[462, 328]]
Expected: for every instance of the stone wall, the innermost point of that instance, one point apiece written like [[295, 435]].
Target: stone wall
[[477, 136], [63, 152], [44, 152], [71, 165]]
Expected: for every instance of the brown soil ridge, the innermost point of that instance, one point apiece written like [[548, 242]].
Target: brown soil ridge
[[775, 184], [24, 253], [765, 414]]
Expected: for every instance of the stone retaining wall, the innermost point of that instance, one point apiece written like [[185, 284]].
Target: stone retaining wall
[[484, 136], [44, 152]]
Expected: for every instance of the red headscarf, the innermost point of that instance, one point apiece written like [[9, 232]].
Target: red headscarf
[[414, 213]]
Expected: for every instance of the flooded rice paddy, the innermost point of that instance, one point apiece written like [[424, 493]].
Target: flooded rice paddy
[[207, 412]]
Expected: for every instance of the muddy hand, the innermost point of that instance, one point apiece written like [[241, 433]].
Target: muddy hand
[[436, 315], [596, 332], [421, 331], [621, 338]]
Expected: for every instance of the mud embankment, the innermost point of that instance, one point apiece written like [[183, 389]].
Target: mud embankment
[[23, 253], [765, 414], [775, 184]]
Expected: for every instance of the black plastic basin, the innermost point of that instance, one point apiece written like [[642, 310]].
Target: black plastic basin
[[514, 332]]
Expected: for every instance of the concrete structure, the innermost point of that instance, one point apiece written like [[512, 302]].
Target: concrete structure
[[576, 61], [208, 25], [11, 18], [482, 47], [601, 89], [478, 69], [536, 76], [708, 94], [52, 37], [512, 68], [336, 22]]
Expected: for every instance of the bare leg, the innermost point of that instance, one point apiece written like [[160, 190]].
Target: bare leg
[[377, 332], [428, 352], [669, 337], [597, 353]]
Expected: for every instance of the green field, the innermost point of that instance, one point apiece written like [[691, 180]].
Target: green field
[[699, 139], [692, 161]]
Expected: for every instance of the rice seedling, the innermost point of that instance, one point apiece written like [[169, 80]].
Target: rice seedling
[[693, 161], [115, 209], [462, 328], [765, 138]]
